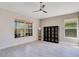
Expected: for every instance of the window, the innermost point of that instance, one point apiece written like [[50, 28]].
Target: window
[[23, 29], [71, 27]]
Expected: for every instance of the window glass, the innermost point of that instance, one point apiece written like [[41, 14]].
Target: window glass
[[70, 27], [22, 29]]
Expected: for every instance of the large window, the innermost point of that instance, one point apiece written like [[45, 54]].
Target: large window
[[71, 27], [22, 29]]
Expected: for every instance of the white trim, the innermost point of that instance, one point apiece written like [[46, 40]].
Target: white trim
[[71, 37], [77, 29]]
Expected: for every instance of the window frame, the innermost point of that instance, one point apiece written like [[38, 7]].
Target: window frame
[[76, 28], [23, 23]]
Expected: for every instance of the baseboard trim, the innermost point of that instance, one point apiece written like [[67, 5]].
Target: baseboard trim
[[74, 44]]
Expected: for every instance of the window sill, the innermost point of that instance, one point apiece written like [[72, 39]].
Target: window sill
[[70, 37]]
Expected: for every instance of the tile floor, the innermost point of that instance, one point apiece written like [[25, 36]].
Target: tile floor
[[41, 49]]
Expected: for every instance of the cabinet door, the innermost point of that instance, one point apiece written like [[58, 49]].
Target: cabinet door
[[52, 33], [45, 33], [56, 40]]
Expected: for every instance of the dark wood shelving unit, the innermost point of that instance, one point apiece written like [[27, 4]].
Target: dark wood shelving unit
[[51, 34]]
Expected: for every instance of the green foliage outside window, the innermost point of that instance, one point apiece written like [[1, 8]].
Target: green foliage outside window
[[70, 28]]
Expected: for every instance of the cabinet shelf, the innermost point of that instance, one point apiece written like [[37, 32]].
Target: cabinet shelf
[[51, 34]]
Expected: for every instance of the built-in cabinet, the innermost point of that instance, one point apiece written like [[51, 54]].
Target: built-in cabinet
[[51, 34]]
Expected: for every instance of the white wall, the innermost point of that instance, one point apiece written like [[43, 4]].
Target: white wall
[[7, 29], [59, 21]]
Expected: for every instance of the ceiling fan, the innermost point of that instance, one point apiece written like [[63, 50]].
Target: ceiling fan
[[42, 6]]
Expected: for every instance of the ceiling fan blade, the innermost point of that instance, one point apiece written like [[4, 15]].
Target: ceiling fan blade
[[42, 7], [36, 11], [44, 11]]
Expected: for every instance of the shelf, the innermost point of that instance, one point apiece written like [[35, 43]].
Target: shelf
[[51, 33]]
